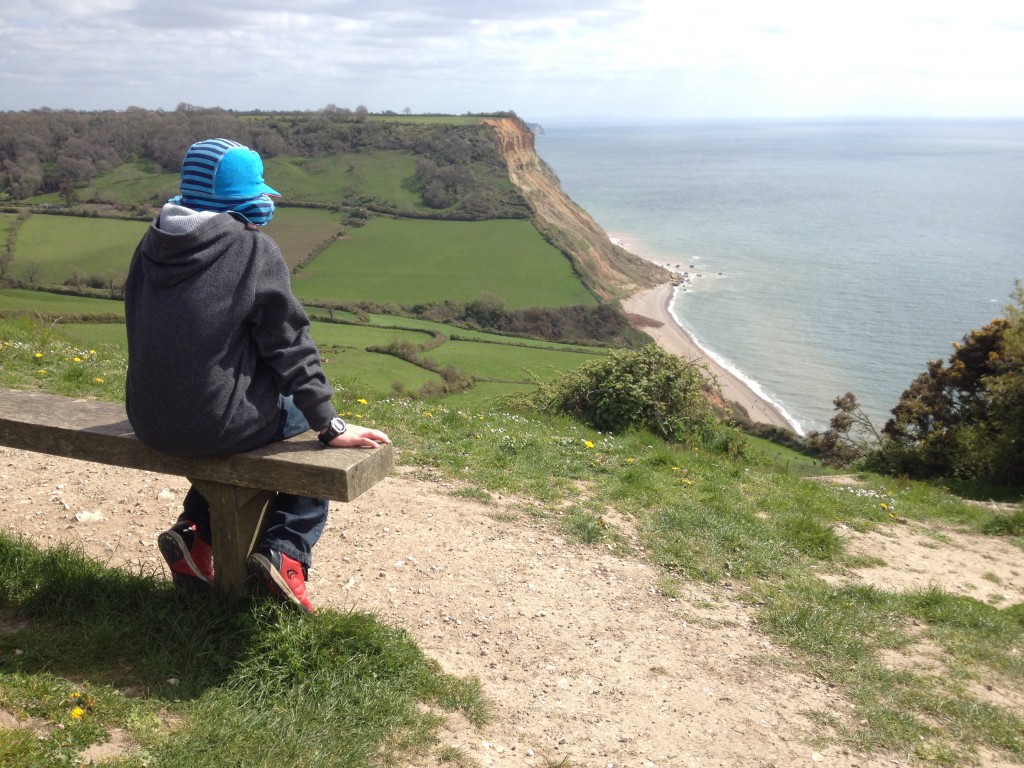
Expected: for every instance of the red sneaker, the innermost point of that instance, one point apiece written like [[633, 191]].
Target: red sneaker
[[188, 556], [281, 576]]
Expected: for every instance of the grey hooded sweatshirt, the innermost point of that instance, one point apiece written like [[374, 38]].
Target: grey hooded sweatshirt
[[214, 336]]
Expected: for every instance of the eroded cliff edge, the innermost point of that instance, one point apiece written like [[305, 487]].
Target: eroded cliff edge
[[609, 271]]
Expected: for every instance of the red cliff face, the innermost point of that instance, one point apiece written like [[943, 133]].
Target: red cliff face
[[609, 271], [517, 143]]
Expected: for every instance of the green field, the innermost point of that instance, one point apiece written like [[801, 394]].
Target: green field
[[329, 335], [334, 340], [426, 119], [483, 395], [55, 304], [466, 334], [370, 375], [460, 334], [375, 173], [298, 230], [93, 334], [412, 262], [60, 245], [387, 261], [503, 361]]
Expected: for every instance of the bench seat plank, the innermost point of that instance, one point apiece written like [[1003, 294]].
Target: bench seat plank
[[97, 431], [238, 487]]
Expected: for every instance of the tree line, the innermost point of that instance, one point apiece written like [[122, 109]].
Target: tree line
[[47, 151], [599, 324]]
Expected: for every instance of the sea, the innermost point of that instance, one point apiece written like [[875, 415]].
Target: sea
[[821, 257]]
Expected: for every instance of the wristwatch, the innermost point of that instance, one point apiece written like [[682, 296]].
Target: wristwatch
[[335, 428]]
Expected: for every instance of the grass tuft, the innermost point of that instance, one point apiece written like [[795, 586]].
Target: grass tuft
[[256, 687]]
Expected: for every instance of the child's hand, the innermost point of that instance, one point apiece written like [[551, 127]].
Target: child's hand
[[356, 436]]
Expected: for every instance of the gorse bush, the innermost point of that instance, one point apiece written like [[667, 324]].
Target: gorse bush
[[964, 419], [648, 389]]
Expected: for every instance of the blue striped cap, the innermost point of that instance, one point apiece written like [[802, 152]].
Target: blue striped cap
[[226, 177]]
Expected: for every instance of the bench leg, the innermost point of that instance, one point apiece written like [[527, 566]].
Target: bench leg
[[236, 521]]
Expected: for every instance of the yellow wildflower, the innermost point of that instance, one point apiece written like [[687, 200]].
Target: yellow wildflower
[[98, 380], [78, 359], [39, 355], [41, 371], [884, 506], [362, 401], [588, 444], [76, 713]]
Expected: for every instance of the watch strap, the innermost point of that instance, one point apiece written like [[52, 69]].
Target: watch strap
[[335, 428]]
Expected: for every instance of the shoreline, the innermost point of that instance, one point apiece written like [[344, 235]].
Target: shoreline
[[649, 312]]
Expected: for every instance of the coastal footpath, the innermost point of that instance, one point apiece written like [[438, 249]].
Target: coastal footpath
[[644, 288]]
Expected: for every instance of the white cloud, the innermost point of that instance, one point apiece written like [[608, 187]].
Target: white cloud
[[543, 58]]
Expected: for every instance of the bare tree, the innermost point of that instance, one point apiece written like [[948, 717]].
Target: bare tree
[[850, 435], [33, 270]]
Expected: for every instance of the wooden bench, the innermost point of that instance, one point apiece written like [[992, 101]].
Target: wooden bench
[[237, 487]]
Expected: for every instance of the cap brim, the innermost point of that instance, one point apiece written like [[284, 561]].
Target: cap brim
[[270, 191]]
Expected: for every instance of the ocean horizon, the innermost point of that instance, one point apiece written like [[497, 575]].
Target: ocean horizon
[[821, 257]]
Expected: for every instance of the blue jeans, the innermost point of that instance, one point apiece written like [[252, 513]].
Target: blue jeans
[[293, 523]]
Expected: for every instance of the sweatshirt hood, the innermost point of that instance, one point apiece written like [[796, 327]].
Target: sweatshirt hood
[[182, 243], [179, 220]]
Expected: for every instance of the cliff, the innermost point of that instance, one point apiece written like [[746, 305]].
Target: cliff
[[609, 271]]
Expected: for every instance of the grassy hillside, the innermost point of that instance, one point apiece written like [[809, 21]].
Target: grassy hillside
[[716, 508], [129, 184], [708, 510], [351, 350], [386, 177], [398, 212]]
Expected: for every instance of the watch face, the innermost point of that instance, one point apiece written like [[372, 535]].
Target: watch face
[[335, 428]]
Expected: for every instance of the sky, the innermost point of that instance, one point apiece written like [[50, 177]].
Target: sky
[[546, 60]]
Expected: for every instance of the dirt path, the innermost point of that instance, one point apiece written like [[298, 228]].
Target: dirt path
[[581, 656]]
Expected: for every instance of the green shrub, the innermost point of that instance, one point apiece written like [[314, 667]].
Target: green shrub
[[647, 389]]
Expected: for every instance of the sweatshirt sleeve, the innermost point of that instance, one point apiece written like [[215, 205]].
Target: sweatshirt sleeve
[[280, 328]]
